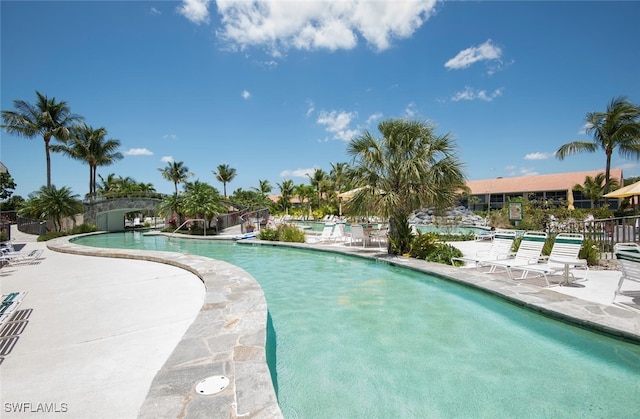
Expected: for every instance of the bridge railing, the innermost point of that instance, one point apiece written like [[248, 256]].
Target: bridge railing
[[92, 199]]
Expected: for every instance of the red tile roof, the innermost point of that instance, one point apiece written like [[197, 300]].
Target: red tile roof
[[538, 183]]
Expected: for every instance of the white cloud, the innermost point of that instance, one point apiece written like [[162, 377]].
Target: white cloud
[[538, 156], [410, 110], [197, 11], [466, 57], [279, 25], [474, 94], [245, 94], [138, 152], [337, 123], [166, 159], [311, 108], [373, 118], [527, 171], [298, 172], [169, 137], [155, 11]]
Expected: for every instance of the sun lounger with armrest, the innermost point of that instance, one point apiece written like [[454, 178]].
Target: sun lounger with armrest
[[528, 253], [628, 255], [500, 249], [565, 246]]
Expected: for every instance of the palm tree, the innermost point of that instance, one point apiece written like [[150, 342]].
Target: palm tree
[[47, 118], [225, 174], [201, 200], [89, 145], [264, 187], [319, 182], [593, 188], [175, 172], [286, 192], [409, 168], [52, 203], [617, 127]]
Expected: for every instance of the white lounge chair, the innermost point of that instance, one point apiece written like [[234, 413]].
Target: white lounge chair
[[500, 249], [325, 236], [628, 255], [528, 253], [566, 246], [338, 234], [357, 235], [22, 258]]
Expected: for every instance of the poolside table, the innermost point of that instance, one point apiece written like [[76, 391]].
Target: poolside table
[[568, 262]]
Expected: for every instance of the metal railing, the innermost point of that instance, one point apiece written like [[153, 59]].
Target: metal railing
[[31, 226]]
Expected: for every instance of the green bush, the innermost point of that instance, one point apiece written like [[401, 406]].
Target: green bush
[[290, 233], [590, 252], [443, 253], [423, 245], [51, 235], [284, 233], [84, 228], [268, 233]]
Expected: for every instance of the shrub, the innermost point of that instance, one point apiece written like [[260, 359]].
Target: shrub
[[51, 235], [290, 233], [84, 228], [590, 252], [268, 233], [422, 245], [443, 253], [284, 233]]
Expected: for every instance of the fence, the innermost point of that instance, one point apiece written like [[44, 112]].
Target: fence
[[31, 226], [604, 232]]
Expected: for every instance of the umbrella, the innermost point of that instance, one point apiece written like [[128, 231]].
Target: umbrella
[[570, 207], [350, 194], [630, 190]]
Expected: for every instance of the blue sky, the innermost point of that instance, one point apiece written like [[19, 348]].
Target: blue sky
[[277, 88]]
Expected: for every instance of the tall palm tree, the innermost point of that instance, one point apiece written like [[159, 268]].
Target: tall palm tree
[[90, 145], [46, 118], [175, 172], [617, 127], [593, 187], [225, 174], [409, 168], [52, 203], [264, 187], [286, 192], [319, 182]]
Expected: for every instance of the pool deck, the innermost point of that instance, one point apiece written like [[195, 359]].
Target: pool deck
[[132, 337]]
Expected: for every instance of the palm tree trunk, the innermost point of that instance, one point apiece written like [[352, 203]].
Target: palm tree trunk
[[48, 156], [607, 173]]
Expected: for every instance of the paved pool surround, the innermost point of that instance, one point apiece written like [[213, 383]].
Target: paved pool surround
[[228, 336]]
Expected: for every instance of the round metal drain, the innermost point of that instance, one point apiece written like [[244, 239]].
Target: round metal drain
[[212, 385]]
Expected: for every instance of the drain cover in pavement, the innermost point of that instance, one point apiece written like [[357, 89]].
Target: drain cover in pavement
[[212, 385]]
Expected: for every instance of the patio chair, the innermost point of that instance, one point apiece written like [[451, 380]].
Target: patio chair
[[529, 252], [325, 236], [565, 246], [500, 249], [357, 235], [628, 255], [22, 258], [338, 234]]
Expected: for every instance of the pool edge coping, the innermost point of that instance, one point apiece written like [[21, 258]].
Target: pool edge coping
[[234, 313]]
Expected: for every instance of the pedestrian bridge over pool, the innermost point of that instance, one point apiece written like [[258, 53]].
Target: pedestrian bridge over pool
[[108, 214]]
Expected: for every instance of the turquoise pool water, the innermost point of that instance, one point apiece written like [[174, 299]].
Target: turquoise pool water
[[359, 339]]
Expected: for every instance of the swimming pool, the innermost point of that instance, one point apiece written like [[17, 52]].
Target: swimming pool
[[356, 338]]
